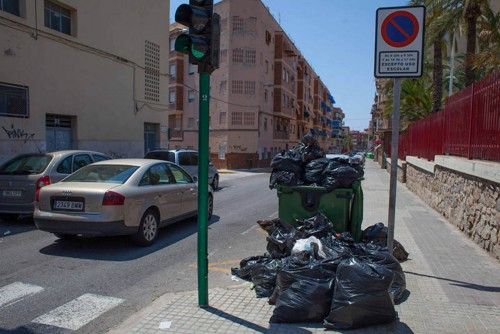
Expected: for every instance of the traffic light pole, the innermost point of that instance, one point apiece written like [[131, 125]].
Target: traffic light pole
[[203, 162]]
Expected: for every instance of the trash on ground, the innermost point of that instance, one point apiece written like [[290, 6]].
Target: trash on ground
[[361, 297], [377, 234], [313, 274], [165, 325]]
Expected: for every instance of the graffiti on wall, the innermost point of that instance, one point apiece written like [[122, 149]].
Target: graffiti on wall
[[18, 133]]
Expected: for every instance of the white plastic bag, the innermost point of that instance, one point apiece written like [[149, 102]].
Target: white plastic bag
[[306, 245]]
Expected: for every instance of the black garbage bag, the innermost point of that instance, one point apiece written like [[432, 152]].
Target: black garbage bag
[[334, 247], [247, 265], [361, 296], [340, 158], [280, 242], [314, 170], [377, 234], [309, 148], [270, 225], [380, 255], [305, 300], [290, 161], [318, 226], [284, 178], [264, 277], [303, 293], [340, 177]]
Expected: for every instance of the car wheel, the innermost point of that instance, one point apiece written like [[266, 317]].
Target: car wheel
[[215, 182], [148, 229], [210, 206], [9, 217]]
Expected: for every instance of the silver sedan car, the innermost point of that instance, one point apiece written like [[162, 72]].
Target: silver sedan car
[[22, 177], [119, 197]]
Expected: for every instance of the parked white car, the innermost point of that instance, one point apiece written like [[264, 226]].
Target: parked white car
[[119, 197]]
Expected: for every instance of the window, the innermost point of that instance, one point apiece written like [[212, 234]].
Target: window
[[236, 118], [250, 57], [192, 68], [57, 18], [237, 87], [191, 96], [152, 71], [172, 70], [180, 176], [223, 56], [265, 127], [13, 100], [98, 157], [81, 160], [65, 166], [265, 95], [223, 87], [157, 175], [10, 6], [237, 55], [172, 44], [172, 96], [250, 87], [268, 37], [249, 118], [251, 24], [222, 117], [267, 66], [237, 24], [190, 124], [188, 159]]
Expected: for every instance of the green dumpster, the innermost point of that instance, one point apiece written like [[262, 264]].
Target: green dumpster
[[343, 206], [369, 155]]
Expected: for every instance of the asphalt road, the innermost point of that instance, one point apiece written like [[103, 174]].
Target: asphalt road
[[41, 276]]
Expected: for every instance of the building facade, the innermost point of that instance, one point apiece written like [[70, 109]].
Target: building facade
[[71, 80], [264, 96]]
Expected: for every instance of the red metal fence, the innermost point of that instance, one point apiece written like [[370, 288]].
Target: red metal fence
[[469, 126]]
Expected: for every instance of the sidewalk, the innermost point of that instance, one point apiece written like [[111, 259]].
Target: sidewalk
[[454, 285]]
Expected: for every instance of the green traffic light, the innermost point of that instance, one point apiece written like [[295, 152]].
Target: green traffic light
[[183, 43], [198, 54]]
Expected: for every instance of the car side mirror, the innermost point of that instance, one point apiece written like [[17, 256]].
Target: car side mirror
[[195, 179]]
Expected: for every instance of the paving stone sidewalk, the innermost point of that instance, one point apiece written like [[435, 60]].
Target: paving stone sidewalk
[[454, 286]]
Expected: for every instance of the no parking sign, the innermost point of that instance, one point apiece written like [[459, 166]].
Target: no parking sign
[[399, 42]]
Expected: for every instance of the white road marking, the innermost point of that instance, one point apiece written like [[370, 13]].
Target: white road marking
[[16, 291], [248, 230], [272, 216], [78, 312]]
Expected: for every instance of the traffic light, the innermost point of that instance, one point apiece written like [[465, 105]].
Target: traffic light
[[202, 43]]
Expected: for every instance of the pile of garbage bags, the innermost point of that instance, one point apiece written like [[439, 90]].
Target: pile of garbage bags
[[313, 274], [306, 164]]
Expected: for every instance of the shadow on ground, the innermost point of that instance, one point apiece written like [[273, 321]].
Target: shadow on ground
[[461, 284], [121, 248], [15, 226]]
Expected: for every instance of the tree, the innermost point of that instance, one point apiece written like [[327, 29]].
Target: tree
[[471, 13]]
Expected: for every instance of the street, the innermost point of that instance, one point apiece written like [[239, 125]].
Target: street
[[39, 273]]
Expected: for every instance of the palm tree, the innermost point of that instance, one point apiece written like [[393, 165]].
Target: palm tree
[[471, 14]]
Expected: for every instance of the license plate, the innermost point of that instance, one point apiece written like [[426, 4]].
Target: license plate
[[12, 193], [68, 205]]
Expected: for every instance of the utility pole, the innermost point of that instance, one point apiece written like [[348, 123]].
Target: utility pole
[[202, 44]]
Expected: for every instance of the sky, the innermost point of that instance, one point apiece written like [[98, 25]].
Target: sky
[[337, 39]]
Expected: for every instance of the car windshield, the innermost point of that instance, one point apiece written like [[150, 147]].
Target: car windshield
[[26, 164], [118, 174]]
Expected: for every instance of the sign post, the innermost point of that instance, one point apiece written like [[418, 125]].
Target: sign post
[[399, 53]]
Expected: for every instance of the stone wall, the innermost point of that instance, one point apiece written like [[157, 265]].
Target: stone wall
[[471, 203], [401, 169]]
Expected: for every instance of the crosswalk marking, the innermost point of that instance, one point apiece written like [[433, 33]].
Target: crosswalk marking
[[16, 291], [78, 312]]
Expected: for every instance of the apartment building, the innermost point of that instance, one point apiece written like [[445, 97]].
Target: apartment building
[[264, 97], [83, 74]]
